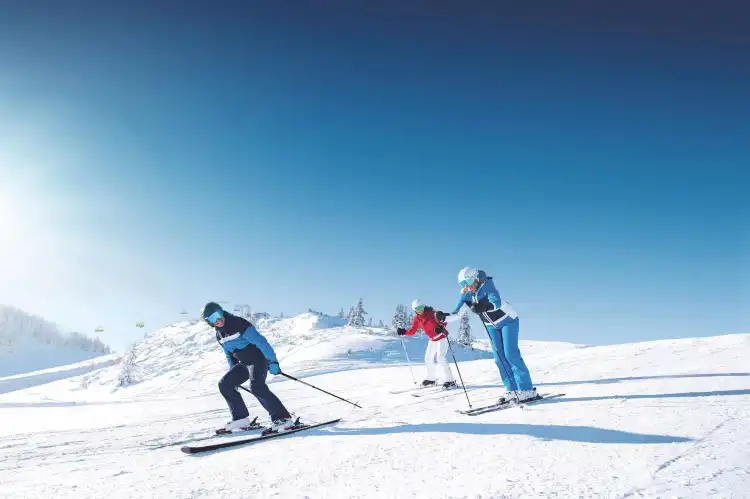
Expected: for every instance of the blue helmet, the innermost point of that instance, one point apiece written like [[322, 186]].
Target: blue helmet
[[211, 308]]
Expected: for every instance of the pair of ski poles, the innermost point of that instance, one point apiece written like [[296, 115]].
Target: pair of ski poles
[[454, 362], [311, 386], [293, 379]]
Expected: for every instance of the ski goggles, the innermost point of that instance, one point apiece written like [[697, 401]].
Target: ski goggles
[[211, 319], [419, 308], [467, 282]]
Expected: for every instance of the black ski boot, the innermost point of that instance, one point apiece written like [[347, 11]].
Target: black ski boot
[[428, 382], [449, 384]]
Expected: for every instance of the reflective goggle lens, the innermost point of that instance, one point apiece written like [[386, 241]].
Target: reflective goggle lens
[[419, 308], [211, 319], [466, 282]]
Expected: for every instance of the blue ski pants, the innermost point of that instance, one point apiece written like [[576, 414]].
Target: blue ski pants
[[513, 370], [256, 372]]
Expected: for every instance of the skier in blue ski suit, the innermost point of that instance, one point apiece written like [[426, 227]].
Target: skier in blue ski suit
[[249, 356], [478, 292]]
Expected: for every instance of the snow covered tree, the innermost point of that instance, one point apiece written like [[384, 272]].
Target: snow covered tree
[[357, 315], [126, 376], [369, 323], [400, 319], [342, 315], [380, 323], [464, 331]]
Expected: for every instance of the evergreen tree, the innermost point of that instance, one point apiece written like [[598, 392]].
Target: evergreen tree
[[380, 323], [357, 315], [341, 314], [127, 374], [464, 331], [369, 323], [400, 319]]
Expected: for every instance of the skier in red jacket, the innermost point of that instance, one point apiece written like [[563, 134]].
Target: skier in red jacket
[[433, 325]]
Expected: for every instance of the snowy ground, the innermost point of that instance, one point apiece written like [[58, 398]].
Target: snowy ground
[[656, 419]]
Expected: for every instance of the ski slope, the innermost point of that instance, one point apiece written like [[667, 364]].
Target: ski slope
[[656, 419]]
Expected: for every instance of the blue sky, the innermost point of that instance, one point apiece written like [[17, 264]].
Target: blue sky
[[593, 162]]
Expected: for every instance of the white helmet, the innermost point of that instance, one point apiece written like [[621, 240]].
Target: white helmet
[[417, 304], [467, 276]]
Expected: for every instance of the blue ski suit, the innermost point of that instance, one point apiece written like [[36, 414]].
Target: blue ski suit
[[248, 354], [502, 325]]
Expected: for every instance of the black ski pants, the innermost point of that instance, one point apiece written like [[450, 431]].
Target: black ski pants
[[256, 371]]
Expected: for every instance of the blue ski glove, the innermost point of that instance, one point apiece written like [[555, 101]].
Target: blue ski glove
[[274, 368]]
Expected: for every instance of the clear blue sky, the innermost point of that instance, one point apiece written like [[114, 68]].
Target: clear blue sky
[[303, 154]]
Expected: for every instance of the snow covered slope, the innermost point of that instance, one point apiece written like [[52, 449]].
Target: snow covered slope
[[30, 343], [45, 376], [185, 356], [654, 419]]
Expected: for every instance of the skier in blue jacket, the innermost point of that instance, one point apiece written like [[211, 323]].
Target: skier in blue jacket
[[249, 356], [478, 292]]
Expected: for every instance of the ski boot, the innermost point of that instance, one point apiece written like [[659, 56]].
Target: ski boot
[[243, 424], [510, 396], [449, 384], [284, 424], [526, 395], [428, 382]]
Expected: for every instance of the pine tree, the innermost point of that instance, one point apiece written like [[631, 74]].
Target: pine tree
[[357, 315], [341, 314], [127, 375], [400, 319], [380, 323], [464, 331], [369, 323]]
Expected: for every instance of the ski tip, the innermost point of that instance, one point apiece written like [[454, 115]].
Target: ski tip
[[187, 449]]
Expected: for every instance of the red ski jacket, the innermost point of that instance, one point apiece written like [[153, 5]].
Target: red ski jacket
[[427, 323]]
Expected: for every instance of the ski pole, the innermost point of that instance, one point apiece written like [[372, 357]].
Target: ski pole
[[319, 389], [459, 372], [409, 361], [494, 347]]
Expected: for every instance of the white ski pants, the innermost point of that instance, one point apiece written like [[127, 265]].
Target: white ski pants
[[437, 351]]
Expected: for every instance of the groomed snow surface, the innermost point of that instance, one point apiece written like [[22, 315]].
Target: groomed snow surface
[[657, 419]]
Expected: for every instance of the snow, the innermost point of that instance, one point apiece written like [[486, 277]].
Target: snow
[[29, 343], [656, 419]]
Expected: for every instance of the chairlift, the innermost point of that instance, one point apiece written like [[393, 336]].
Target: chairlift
[[98, 329], [140, 324]]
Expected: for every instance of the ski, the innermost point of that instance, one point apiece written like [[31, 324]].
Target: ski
[[190, 449], [508, 405], [407, 390], [436, 390], [254, 426]]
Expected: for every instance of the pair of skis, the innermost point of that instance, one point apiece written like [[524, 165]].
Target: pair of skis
[[476, 411], [419, 391], [288, 430]]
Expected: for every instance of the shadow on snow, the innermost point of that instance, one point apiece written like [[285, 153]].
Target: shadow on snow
[[587, 434], [716, 393], [607, 381]]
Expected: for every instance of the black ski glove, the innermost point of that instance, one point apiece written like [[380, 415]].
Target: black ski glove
[[481, 307], [440, 330], [440, 316], [401, 331]]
